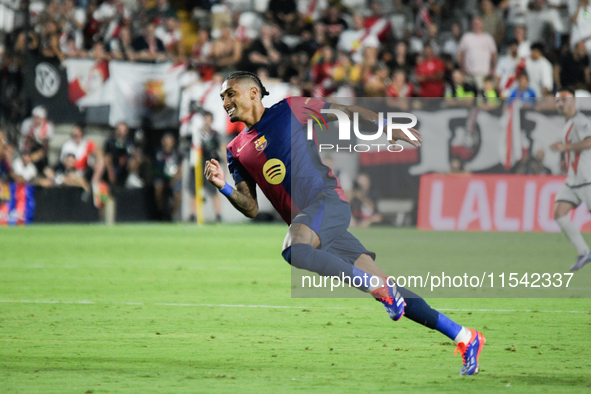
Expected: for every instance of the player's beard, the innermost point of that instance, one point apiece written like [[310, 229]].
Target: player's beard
[[234, 119]]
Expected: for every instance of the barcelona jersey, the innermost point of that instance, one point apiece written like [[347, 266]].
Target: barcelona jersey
[[276, 154]]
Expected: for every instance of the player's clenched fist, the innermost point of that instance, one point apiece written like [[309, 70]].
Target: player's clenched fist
[[214, 173]]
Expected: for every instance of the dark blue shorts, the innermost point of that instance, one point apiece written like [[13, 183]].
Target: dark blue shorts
[[329, 217]]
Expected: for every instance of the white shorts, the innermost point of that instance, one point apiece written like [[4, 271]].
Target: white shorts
[[575, 195]]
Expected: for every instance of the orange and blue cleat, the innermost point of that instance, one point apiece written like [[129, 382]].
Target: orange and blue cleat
[[470, 353], [391, 298]]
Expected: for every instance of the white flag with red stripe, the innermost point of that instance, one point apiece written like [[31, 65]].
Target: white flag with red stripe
[[510, 147]]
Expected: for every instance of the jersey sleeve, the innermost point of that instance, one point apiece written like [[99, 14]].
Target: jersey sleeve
[[304, 107], [238, 172]]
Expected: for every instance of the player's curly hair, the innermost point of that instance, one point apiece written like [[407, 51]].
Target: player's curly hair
[[239, 75]]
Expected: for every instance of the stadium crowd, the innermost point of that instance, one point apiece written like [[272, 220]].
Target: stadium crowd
[[380, 48]]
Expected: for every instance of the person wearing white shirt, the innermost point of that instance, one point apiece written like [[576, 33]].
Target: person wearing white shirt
[[24, 168], [506, 70], [353, 41], [540, 71]]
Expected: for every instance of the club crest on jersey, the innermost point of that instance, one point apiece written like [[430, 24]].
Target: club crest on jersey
[[261, 144]]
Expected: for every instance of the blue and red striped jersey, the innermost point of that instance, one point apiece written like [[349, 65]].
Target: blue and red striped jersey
[[277, 156]]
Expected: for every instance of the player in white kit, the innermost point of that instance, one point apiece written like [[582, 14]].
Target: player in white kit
[[577, 189]]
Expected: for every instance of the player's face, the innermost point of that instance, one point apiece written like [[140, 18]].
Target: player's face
[[236, 98], [564, 102]]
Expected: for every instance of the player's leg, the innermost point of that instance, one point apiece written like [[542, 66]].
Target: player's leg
[[584, 194], [469, 341], [566, 200]]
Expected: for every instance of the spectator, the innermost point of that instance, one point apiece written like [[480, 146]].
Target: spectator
[[524, 92], [488, 95], [543, 23], [375, 83], [539, 70], [334, 25], [118, 150], [377, 24], [493, 21], [148, 46], [23, 168], [478, 52], [354, 41], [211, 149], [36, 132], [451, 45], [459, 88], [121, 47], [109, 17], [167, 178], [66, 173], [572, 71], [401, 58], [170, 35], [581, 25], [524, 45], [72, 21], [283, 13], [364, 210], [89, 160], [202, 50], [268, 50], [429, 73], [227, 50], [398, 90], [509, 68], [160, 12], [311, 40]]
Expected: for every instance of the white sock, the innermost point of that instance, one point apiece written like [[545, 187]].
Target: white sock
[[573, 234], [463, 336]]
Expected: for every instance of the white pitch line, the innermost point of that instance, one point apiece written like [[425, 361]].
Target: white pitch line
[[84, 302]]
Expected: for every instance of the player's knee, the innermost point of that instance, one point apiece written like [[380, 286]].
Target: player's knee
[[287, 254]]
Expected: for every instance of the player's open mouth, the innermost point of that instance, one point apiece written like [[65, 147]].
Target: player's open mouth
[[230, 111]]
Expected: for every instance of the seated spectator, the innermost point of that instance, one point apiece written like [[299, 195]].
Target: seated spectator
[[375, 83], [226, 51], [72, 21], [488, 97], [160, 12], [121, 47], [377, 23], [268, 49], [523, 92], [429, 73], [36, 132], [353, 41], [539, 70], [346, 72], [401, 59], [109, 17], [167, 178], [310, 43], [23, 168], [170, 35], [88, 158], [364, 210], [334, 25], [283, 13], [5, 163], [118, 151], [572, 71], [399, 86], [66, 174], [148, 46], [202, 50], [459, 88]]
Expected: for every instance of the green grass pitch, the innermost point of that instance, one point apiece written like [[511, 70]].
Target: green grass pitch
[[186, 309]]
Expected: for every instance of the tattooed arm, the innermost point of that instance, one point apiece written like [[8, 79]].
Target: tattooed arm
[[243, 197]]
